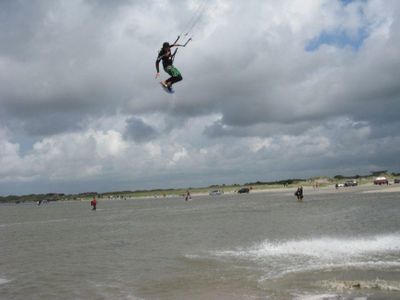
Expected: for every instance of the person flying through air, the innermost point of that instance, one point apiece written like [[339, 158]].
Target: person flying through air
[[167, 57]]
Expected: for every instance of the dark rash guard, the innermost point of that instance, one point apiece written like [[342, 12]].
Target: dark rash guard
[[166, 57]]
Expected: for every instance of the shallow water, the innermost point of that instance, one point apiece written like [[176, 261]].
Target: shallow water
[[335, 245]]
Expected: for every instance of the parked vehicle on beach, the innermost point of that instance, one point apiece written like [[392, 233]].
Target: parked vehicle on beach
[[351, 183], [396, 180], [244, 190], [216, 192], [340, 184], [381, 180]]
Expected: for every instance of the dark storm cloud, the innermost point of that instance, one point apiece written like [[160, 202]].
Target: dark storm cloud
[[19, 21], [54, 64], [54, 123], [139, 131]]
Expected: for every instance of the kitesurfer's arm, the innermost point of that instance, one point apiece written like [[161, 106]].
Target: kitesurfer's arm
[[177, 39], [158, 66]]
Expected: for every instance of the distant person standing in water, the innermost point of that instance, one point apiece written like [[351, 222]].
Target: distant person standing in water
[[93, 203], [299, 194], [188, 196]]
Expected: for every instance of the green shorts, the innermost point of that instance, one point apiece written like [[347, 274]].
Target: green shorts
[[172, 71]]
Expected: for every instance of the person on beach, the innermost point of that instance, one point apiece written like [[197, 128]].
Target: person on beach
[[93, 203], [299, 194], [188, 196]]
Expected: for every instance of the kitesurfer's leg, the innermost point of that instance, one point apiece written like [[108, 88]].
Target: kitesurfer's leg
[[176, 79], [175, 75], [170, 81]]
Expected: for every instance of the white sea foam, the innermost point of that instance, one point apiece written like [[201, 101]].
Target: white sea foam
[[4, 281], [364, 265], [317, 297], [324, 248], [328, 254]]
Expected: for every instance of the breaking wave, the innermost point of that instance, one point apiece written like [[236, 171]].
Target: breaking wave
[[282, 257], [321, 247]]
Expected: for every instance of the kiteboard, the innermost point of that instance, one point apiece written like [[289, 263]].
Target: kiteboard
[[169, 90]]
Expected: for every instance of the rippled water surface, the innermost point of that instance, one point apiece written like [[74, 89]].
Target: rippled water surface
[[335, 245]]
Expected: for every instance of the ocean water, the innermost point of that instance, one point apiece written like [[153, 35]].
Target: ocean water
[[341, 244]]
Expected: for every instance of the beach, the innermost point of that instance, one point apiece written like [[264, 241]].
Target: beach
[[337, 244]]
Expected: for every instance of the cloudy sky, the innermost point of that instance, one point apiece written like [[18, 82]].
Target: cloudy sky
[[272, 89]]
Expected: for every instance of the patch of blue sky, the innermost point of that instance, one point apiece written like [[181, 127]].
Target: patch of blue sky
[[338, 38], [345, 2]]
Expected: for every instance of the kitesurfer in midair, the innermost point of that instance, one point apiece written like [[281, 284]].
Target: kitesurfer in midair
[[167, 57]]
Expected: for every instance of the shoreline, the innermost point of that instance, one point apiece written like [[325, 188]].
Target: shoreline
[[367, 188]]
